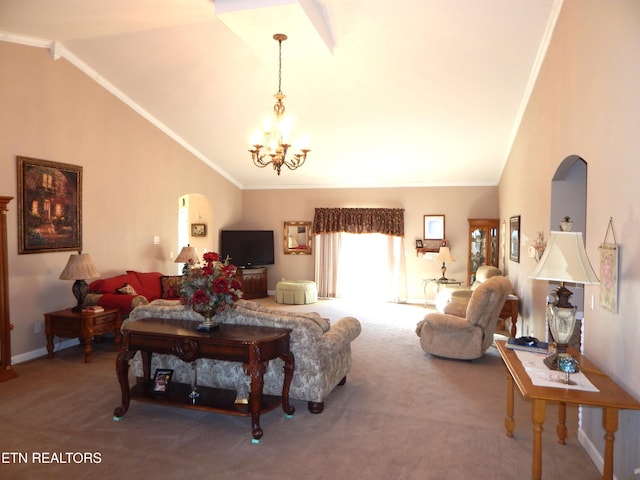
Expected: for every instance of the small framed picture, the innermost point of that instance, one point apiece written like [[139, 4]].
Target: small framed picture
[[419, 244], [161, 379], [198, 229], [514, 238]]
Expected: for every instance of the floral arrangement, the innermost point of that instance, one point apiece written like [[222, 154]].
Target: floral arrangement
[[211, 288]]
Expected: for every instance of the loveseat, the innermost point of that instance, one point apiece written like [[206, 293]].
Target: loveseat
[[132, 289], [322, 351]]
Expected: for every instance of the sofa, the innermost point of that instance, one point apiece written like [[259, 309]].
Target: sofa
[[132, 289], [322, 351]]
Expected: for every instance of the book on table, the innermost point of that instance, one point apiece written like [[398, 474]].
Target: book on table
[[528, 344]]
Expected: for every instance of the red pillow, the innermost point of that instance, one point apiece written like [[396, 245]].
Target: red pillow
[[147, 284], [109, 285]]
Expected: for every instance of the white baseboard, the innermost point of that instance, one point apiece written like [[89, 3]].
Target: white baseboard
[[591, 450], [41, 352]]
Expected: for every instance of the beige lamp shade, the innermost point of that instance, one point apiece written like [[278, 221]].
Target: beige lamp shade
[[565, 260], [188, 255], [444, 255], [79, 267]]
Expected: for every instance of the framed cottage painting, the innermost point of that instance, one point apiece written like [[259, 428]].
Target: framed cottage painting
[[49, 206]]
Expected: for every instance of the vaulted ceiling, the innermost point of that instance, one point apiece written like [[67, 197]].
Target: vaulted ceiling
[[391, 93]]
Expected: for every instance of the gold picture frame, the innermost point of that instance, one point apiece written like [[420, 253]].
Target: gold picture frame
[[198, 229], [297, 238], [49, 206]]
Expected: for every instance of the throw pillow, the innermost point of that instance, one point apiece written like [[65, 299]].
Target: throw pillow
[[171, 286], [127, 290]]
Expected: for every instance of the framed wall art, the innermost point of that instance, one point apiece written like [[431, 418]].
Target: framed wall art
[[49, 206], [433, 232], [514, 238], [297, 238], [198, 229]]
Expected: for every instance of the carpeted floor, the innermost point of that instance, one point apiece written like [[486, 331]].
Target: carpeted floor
[[401, 415]]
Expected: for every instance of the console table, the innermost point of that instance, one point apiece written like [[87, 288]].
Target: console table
[[610, 397], [253, 346]]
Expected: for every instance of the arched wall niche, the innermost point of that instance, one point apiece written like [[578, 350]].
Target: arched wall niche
[[569, 198]]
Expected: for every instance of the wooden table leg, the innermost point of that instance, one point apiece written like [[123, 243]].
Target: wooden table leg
[[49, 345], [561, 428], [86, 341], [255, 369], [122, 371], [538, 408], [289, 366], [509, 421], [610, 424]]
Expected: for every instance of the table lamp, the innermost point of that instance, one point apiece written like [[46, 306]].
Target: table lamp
[[189, 256], [79, 268], [444, 255], [564, 260]]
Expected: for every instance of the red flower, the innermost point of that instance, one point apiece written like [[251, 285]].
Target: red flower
[[220, 285], [211, 257], [200, 296]]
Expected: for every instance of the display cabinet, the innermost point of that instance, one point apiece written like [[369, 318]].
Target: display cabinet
[[483, 245], [6, 372]]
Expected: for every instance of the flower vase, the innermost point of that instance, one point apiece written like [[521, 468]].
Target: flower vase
[[208, 324]]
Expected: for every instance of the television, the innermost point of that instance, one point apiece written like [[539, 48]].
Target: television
[[247, 248]]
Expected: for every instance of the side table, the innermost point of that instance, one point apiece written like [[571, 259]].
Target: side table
[[83, 325], [428, 281]]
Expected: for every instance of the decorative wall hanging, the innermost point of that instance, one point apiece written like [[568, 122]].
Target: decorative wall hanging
[[514, 238], [49, 206], [434, 233], [609, 271]]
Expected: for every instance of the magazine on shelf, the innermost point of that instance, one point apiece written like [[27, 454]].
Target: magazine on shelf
[[528, 344]]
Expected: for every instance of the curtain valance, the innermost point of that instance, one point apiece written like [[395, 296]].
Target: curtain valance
[[389, 221]]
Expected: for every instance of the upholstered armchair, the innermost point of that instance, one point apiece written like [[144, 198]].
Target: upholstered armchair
[[463, 295], [465, 331]]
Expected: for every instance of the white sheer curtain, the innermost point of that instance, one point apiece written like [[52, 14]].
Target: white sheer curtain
[[370, 265]]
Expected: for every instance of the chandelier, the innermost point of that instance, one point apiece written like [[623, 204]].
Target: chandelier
[[275, 137]]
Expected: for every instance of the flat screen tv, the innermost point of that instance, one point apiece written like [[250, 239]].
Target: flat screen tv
[[247, 248]]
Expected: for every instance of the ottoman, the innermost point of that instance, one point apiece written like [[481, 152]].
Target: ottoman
[[296, 292]]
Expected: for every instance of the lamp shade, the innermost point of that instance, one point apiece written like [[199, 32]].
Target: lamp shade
[[188, 254], [79, 267], [565, 260], [444, 255]]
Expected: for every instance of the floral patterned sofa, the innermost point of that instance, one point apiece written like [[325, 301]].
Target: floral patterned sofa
[[322, 351]]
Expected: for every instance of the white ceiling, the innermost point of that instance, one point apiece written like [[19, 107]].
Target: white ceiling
[[400, 93]]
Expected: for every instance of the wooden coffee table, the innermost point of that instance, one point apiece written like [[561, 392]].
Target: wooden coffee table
[[253, 346]]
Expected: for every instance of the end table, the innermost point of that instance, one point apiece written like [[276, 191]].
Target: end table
[[83, 325]]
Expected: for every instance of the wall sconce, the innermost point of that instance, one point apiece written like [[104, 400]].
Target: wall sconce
[[537, 249]]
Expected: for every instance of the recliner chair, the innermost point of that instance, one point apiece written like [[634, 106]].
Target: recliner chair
[[465, 332]]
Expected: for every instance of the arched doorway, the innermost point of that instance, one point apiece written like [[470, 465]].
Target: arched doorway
[[194, 208]]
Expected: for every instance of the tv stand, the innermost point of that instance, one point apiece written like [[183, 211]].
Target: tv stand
[[253, 281]]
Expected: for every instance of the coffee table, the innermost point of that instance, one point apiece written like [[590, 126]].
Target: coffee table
[[253, 346], [610, 397]]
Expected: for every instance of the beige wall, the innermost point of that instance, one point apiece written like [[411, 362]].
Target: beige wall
[[586, 103], [133, 176], [269, 209]]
